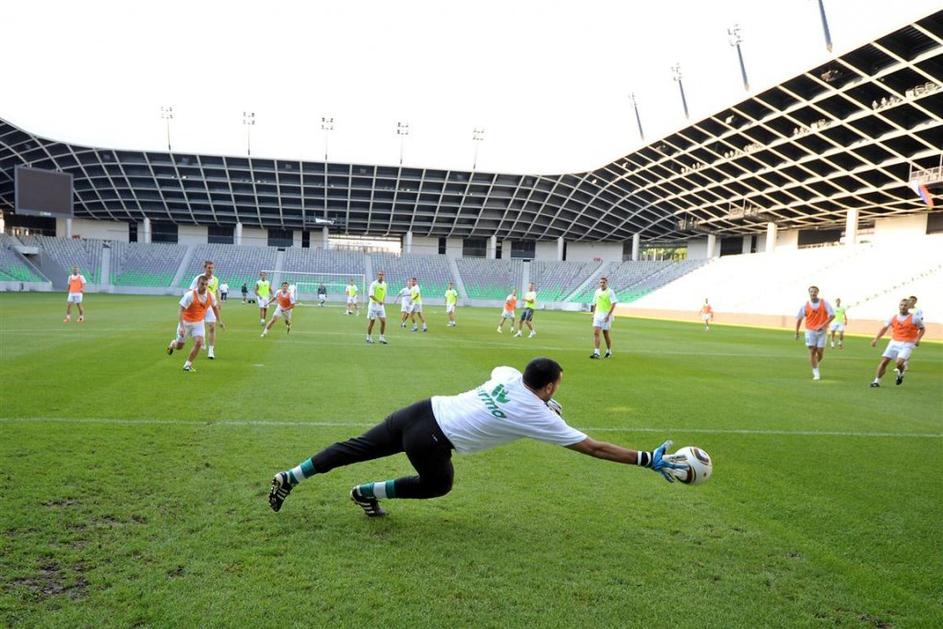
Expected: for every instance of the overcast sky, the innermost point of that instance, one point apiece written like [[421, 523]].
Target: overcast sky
[[548, 81]]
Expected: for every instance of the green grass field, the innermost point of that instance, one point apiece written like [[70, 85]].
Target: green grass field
[[134, 493]]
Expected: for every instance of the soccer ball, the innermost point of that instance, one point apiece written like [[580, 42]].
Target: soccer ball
[[700, 465]]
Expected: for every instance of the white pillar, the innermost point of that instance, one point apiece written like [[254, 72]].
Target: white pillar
[[325, 238], [237, 234], [408, 242], [68, 228], [770, 237], [636, 242], [505, 250], [747, 244], [711, 246], [560, 244], [492, 247], [147, 230], [851, 227]]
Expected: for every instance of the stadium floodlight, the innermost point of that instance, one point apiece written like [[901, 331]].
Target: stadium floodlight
[[638, 119], [735, 39], [167, 114], [676, 74], [248, 119], [402, 130], [478, 136], [825, 30], [327, 125]]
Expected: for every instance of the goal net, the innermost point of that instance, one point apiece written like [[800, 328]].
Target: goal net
[[305, 284]]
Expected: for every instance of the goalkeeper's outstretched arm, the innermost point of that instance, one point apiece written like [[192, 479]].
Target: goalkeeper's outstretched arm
[[655, 460]]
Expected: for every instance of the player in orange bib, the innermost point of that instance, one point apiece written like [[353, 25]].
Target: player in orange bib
[[707, 314], [817, 314], [510, 306], [76, 293], [193, 307], [906, 331], [284, 303]]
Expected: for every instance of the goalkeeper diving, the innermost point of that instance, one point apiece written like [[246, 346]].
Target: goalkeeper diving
[[510, 405]]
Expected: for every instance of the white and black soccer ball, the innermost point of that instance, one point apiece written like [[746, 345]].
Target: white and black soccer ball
[[700, 465]]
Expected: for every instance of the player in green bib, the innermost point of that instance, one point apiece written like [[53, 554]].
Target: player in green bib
[[263, 293], [527, 316], [839, 323], [604, 303], [415, 305], [212, 287], [451, 298], [376, 308]]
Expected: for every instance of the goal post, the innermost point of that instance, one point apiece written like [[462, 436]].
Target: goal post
[[306, 284]]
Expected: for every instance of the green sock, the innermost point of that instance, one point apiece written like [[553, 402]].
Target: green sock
[[384, 489], [301, 472]]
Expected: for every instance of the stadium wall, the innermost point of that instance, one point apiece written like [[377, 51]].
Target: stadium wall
[[899, 227], [589, 251], [545, 250], [88, 228], [427, 246], [191, 235]]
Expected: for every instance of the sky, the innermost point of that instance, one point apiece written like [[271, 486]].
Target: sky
[[549, 82]]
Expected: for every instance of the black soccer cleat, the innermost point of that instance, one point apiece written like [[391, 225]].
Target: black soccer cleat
[[875, 385], [170, 350], [608, 354], [594, 356], [371, 506], [281, 487]]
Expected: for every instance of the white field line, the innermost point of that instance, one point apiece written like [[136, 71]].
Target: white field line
[[349, 424]]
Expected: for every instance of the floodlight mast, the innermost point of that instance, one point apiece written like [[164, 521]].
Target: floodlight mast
[[676, 74], [248, 120], [825, 29], [478, 136], [638, 119], [735, 39], [327, 125], [167, 114], [402, 130]]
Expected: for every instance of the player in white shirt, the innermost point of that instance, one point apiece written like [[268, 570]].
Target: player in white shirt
[[285, 302], [916, 312], [76, 291], [509, 406], [190, 320], [404, 302], [818, 314], [353, 308], [212, 285], [508, 311], [604, 303]]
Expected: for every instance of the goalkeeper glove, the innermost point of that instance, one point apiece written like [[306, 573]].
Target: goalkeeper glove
[[665, 464]]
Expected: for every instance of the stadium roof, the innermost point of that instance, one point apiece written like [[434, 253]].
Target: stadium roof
[[844, 135]]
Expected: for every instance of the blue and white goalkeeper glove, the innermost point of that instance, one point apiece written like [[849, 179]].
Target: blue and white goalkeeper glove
[[667, 465]]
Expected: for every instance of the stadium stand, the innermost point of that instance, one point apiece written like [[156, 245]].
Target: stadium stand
[[869, 278], [556, 280], [623, 276], [12, 268], [147, 265], [490, 279], [87, 254], [234, 265], [337, 267], [432, 271]]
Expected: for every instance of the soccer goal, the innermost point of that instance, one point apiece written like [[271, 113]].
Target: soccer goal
[[306, 285]]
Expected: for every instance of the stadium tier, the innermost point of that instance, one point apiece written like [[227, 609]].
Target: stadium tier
[[622, 278], [432, 272], [145, 265], [66, 253], [234, 265], [490, 279], [12, 268], [869, 279], [555, 281]]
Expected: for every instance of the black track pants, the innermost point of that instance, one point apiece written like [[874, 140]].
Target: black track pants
[[412, 430]]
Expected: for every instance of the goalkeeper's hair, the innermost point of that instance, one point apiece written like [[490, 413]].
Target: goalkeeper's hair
[[541, 371]]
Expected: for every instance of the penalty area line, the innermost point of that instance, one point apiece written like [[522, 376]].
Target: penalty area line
[[348, 424]]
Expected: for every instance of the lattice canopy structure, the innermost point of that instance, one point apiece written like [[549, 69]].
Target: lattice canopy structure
[[845, 135]]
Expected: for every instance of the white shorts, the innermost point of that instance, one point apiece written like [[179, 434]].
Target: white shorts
[[815, 339], [351, 300], [602, 323], [507, 314], [838, 327], [263, 302], [210, 316], [707, 317], [413, 308], [449, 308], [376, 311], [190, 329], [898, 350], [74, 298], [280, 312], [322, 298], [404, 306]]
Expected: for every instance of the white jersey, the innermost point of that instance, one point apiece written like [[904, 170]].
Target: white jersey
[[500, 411]]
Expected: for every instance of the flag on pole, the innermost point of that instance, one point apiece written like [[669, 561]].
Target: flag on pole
[[921, 190]]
